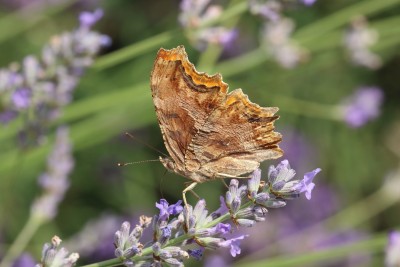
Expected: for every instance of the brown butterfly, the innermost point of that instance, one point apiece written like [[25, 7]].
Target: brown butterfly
[[208, 133]]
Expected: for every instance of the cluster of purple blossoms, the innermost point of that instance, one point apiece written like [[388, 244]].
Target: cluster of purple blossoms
[[358, 40], [362, 106], [277, 32], [38, 89], [54, 256], [183, 232], [194, 15], [55, 181]]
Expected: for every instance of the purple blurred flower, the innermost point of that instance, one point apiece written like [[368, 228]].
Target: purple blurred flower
[[362, 106], [270, 9], [7, 116], [88, 19], [217, 260], [299, 150], [25, 260], [21, 98], [276, 36], [55, 181], [392, 257], [194, 14], [358, 39], [308, 2], [95, 240]]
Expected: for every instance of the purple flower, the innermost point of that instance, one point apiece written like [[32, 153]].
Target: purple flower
[[222, 208], [278, 43], [87, 19], [308, 2], [126, 242], [234, 244], [196, 253], [196, 13], [280, 175], [281, 186], [25, 260], [270, 10], [392, 257], [166, 210], [7, 116], [362, 106], [222, 228], [21, 98], [358, 39], [306, 185]]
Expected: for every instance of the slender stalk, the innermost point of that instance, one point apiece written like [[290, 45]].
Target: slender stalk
[[374, 244], [21, 241], [12, 25], [340, 18], [129, 52]]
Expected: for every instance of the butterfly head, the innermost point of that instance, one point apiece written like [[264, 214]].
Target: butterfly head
[[169, 164]]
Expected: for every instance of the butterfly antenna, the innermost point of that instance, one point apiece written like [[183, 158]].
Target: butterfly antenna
[[144, 143], [122, 164]]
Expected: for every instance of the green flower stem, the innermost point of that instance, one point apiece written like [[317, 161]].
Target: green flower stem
[[306, 108], [321, 27], [129, 52], [21, 241], [243, 62], [12, 24], [374, 244], [107, 263]]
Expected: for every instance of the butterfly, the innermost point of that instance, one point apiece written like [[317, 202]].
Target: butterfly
[[208, 132]]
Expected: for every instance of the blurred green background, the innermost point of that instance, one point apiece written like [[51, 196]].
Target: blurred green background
[[113, 97]]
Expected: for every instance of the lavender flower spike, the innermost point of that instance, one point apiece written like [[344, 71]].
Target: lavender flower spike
[[42, 86], [183, 232], [55, 181]]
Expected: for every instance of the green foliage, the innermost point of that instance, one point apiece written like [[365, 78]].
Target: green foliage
[[114, 97]]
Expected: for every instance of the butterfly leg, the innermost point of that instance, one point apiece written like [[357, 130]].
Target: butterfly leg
[[232, 176], [188, 188]]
